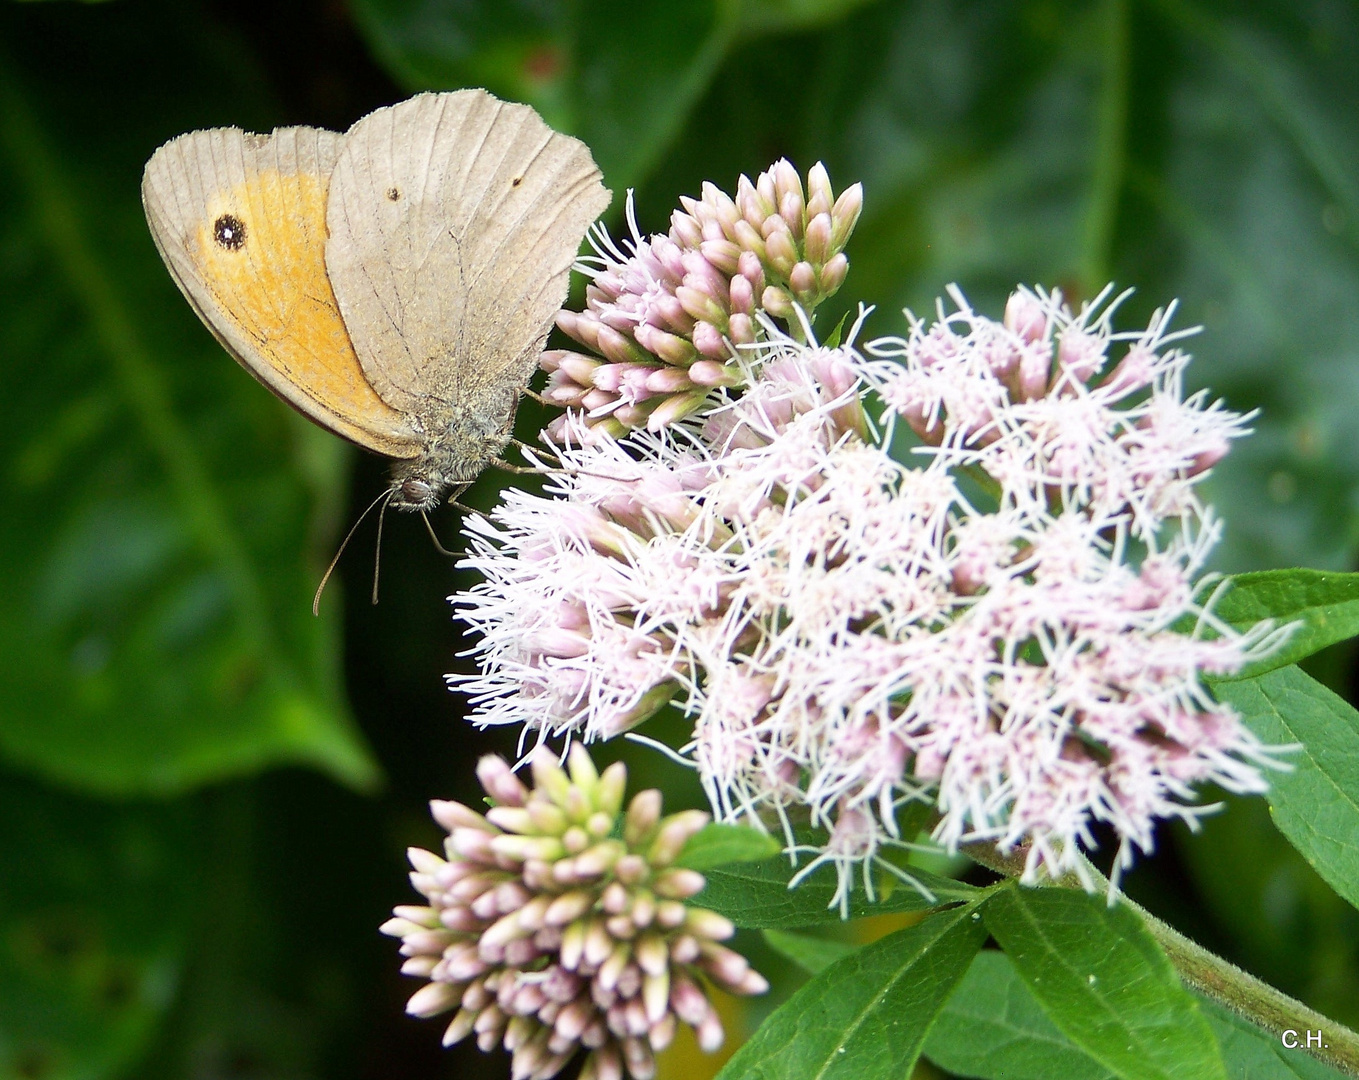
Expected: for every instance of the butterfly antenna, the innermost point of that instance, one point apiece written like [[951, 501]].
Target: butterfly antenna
[[316, 600], [377, 551], [438, 546]]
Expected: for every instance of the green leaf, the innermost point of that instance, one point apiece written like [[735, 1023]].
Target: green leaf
[[865, 1017], [163, 521], [1254, 190], [812, 954], [93, 920], [756, 895], [781, 16], [1325, 604], [718, 844], [993, 1028], [1251, 1053], [621, 77], [1315, 803], [1105, 983]]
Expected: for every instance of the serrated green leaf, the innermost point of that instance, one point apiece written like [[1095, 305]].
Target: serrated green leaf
[[162, 520], [1325, 604], [992, 1028], [865, 1017], [756, 895], [1105, 983], [812, 954], [1315, 803], [718, 844]]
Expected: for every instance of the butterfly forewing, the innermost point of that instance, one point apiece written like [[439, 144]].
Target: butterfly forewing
[[240, 221]]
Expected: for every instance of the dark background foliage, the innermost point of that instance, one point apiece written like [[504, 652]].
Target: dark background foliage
[[205, 793]]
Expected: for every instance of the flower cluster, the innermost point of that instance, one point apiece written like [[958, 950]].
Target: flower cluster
[[1012, 627], [665, 319], [552, 925]]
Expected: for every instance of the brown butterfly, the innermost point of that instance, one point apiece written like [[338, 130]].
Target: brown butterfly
[[394, 284]]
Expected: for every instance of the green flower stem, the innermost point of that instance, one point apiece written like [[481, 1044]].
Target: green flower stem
[[1212, 976], [1110, 163]]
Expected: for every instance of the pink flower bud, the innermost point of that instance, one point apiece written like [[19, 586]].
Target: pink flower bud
[[710, 1034], [678, 884], [668, 380], [614, 346], [708, 924], [1133, 373], [764, 184], [803, 281], [711, 373], [750, 268], [817, 243], [777, 302], [666, 346], [583, 328], [421, 966], [1081, 354], [741, 329], [662, 1032], [709, 342], [791, 209], [674, 833], [473, 844], [750, 239], [721, 204], [643, 909], [568, 907], [516, 818], [685, 230], [1025, 316], [460, 1027], [833, 274], [451, 815], [845, 215], [748, 201], [820, 196], [742, 295], [644, 812], [708, 313], [722, 254]]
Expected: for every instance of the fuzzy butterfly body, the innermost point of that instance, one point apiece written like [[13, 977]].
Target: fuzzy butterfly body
[[394, 284]]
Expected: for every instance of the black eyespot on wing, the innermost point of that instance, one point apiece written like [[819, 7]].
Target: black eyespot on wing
[[393, 194], [516, 181], [229, 232]]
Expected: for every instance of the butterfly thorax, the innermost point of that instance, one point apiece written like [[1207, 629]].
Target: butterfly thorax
[[471, 440]]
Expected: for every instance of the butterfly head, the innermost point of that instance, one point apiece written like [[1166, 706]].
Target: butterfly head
[[449, 464]]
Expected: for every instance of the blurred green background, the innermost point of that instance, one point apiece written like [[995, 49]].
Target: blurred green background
[[205, 793]]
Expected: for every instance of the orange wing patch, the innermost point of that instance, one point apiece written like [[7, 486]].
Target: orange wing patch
[[260, 249]]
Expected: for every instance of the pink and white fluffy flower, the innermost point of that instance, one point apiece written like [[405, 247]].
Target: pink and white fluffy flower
[[995, 626]]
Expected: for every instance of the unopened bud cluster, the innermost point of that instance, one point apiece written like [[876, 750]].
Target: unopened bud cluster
[[552, 926], [664, 321]]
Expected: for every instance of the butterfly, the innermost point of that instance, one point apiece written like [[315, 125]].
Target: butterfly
[[394, 284]]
